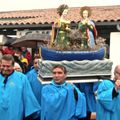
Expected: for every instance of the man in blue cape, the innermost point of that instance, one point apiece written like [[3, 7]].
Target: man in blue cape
[[108, 98], [17, 100], [60, 100]]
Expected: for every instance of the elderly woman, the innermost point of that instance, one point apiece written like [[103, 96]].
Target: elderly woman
[[17, 67]]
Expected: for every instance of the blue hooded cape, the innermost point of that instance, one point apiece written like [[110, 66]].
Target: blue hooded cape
[[16, 98], [58, 102], [35, 84], [108, 108]]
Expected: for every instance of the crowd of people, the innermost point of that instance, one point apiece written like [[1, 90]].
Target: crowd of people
[[22, 56], [23, 97]]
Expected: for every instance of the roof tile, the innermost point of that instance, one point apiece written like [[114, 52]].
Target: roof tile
[[42, 16]]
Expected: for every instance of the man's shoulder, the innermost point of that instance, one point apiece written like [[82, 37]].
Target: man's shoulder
[[107, 81], [31, 71], [70, 85], [106, 84], [19, 75]]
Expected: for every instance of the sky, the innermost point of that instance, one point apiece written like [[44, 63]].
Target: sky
[[12, 5]]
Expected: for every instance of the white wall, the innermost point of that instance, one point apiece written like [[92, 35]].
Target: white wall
[[115, 49]]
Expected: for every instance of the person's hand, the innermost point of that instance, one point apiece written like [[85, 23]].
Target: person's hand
[[117, 85]]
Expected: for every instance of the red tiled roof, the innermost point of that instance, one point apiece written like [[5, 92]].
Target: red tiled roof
[[42, 16]]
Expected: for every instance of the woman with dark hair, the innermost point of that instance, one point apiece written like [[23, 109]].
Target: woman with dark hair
[[60, 29], [87, 27]]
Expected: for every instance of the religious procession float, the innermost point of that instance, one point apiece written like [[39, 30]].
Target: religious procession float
[[79, 50]]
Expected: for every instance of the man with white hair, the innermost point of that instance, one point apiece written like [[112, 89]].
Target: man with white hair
[[108, 98]]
